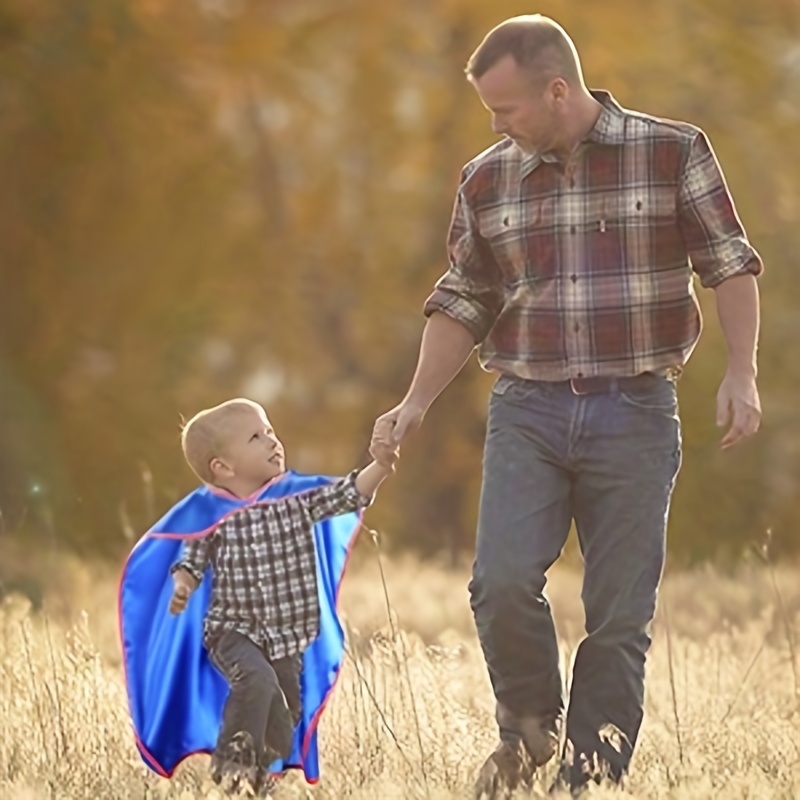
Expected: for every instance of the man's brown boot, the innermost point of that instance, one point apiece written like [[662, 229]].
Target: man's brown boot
[[507, 768], [513, 765], [539, 734], [540, 737]]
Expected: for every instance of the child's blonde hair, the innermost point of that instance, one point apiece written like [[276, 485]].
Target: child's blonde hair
[[204, 436]]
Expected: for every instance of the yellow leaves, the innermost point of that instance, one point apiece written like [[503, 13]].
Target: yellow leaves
[[278, 177]]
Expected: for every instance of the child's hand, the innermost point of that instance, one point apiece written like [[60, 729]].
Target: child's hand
[[185, 584], [389, 458], [392, 457], [179, 599]]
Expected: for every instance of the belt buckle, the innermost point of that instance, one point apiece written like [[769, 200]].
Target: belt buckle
[[574, 383]]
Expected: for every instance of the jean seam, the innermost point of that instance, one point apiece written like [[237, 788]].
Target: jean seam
[[520, 392], [630, 400]]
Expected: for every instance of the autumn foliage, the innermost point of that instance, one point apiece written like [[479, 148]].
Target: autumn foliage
[[205, 199]]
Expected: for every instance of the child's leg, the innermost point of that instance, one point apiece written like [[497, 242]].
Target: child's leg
[[288, 672], [286, 709], [254, 690]]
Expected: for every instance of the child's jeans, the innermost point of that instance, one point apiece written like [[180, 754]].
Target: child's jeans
[[263, 706]]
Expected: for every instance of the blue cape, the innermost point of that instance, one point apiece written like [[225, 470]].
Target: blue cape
[[175, 693]]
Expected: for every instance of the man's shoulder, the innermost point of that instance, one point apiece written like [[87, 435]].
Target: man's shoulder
[[641, 125]]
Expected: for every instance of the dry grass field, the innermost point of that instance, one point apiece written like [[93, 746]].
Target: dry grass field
[[412, 713]]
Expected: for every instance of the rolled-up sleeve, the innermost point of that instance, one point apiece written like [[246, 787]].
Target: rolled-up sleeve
[[713, 235], [471, 291]]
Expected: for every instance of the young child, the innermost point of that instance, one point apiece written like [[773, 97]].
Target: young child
[[263, 608]]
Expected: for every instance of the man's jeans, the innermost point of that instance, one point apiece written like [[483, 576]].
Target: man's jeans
[[263, 706], [608, 461]]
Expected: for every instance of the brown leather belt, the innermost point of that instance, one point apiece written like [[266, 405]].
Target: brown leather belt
[[600, 385]]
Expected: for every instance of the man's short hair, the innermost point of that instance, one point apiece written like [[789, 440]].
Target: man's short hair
[[536, 43]]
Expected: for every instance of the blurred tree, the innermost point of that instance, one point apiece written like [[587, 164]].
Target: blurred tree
[[115, 190], [213, 198]]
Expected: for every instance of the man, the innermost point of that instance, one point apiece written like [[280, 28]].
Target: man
[[572, 247]]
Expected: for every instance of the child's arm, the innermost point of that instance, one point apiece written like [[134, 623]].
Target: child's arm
[[187, 572], [371, 477], [348, 494]]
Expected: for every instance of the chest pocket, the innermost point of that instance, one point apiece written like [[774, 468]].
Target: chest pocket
[[632, 206], [522, 237], [623, 229]]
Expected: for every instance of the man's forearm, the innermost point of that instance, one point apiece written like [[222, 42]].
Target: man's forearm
[[446, 346], [738, 311]]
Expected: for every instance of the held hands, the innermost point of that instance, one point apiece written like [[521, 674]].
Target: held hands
[[391, 428], [389, 465], [185, 584], [739, 406]]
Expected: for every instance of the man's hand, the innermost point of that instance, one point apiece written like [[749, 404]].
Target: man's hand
[[185, 584], [391, 428], [739, 406]]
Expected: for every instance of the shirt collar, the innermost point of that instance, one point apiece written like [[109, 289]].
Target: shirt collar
[[609, 129], [610, 125]]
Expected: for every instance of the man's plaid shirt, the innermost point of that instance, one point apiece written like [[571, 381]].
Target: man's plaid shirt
[[265, 570], [563, 272]]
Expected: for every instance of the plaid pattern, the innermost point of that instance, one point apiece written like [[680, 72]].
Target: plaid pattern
[[265, 570], [563, 272]]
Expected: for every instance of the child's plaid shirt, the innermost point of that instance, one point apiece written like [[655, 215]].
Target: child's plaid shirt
[[264, 567]]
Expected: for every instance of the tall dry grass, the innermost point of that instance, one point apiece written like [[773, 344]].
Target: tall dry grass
[[412, 714]]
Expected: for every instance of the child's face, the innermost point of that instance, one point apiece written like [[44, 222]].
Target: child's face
[[252, 452]]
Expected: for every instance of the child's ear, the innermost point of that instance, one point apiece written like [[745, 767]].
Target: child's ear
[[219, 468]]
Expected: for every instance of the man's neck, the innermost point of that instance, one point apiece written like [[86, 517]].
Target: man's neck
[[587, 112]]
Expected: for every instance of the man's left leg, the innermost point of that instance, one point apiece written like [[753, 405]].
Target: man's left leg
[[627, 459]]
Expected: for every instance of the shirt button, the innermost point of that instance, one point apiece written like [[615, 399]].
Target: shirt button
[[573, 278], [572, 229], [576, 329]]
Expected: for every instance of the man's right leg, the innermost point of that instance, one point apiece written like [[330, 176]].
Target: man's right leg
[[253, 690], [523, 524]]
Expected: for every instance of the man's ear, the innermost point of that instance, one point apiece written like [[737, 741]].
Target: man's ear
[[559, 89], [219, 468]]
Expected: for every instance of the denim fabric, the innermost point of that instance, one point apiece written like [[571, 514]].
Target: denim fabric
[[608, 461], [264, 699]]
